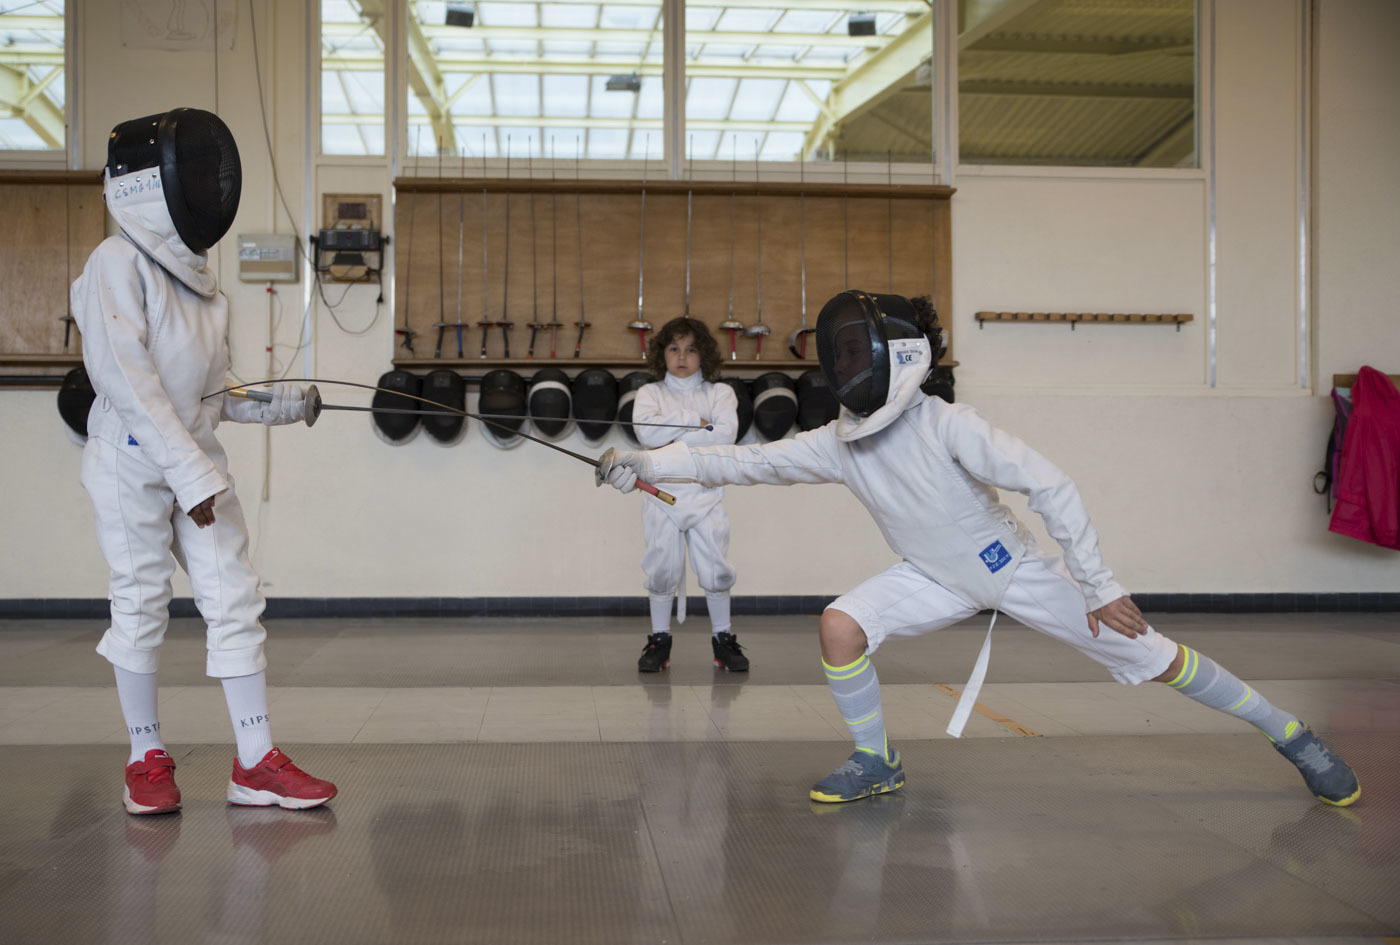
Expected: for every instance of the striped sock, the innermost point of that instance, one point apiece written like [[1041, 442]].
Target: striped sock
[[1203, 679], [856, 690]]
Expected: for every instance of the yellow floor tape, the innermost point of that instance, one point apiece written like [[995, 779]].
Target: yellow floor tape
[[1011, 725]]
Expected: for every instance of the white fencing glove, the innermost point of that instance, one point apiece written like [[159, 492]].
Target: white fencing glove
[[622, 468], [288, 405]]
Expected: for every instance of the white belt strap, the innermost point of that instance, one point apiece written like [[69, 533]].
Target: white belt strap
[[974, 684]]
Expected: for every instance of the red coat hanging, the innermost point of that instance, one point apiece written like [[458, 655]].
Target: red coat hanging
[[1368, 487]]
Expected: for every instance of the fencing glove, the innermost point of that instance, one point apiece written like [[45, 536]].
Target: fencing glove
[[622, 468], [288, 405]]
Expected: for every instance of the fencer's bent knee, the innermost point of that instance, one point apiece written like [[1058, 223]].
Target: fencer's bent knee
[[839, 627]]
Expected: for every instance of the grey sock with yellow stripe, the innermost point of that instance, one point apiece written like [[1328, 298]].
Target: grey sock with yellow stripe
[[856, 690], [1203, 679]]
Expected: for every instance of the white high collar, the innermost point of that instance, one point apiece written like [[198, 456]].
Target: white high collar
[[683, 384], [137, 202], [910, 361]]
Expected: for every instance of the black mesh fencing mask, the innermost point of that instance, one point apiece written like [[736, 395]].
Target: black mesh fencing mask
[[503, 395], [854, 331], [550, 401], [744, 408], [628, 387], [75, 398], [397, 428], [200, 173]]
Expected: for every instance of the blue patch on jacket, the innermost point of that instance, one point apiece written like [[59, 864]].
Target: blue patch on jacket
[[995, 556], [131, 440]]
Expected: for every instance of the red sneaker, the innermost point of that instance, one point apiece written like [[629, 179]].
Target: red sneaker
[[275, 780], [150, 784]]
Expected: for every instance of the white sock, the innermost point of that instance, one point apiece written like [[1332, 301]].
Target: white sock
[[1203, 679], [247, 709], [856, 689], [718, 604], [661, 613], [137, 693]]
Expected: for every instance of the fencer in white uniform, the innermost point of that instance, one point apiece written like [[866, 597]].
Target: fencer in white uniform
[[684, 354], [154, 328], [928, 471]]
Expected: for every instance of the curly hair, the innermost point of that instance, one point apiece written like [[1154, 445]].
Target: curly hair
[[926, 317], [710, 359]]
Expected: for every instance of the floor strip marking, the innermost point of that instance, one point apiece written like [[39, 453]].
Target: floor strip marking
[[1010, 725]]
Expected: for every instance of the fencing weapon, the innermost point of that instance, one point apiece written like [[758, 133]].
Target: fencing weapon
[[441, 325], [318, 406], [797, 341], [582, 322], [731, 324], [757, 330], [640, 325]]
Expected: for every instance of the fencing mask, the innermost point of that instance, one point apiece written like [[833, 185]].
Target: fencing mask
[[745, 407], [816, 405], [397, 428], [200, 174], [502, 394], [449, 389], [774, 404], [874, 356], [75, 398], [630, 385], [595, 399], [550, 401]]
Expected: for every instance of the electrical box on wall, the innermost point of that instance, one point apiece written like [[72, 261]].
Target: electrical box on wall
[[349, 245], [267, 257]]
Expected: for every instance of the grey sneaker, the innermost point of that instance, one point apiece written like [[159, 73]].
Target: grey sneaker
[[1329, 778], [861, 775]]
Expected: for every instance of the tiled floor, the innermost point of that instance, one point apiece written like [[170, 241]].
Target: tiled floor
[[515, 781]]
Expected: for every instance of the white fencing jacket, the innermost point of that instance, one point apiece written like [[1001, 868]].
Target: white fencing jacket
[[929, 478], [154, 342], [687, 400]]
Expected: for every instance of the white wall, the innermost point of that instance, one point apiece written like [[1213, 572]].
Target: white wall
[[1194, 488]]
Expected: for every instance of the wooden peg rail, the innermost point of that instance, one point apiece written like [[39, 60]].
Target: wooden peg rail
[[1074, 318], [1349, 380]]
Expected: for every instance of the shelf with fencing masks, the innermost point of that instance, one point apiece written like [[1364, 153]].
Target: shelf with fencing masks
[[490, 268]]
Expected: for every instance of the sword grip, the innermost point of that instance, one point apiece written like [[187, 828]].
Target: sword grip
[[261, 396], [652, 490]]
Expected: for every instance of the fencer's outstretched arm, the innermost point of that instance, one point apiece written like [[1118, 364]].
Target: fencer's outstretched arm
[[999, 459], [809, 457], [109, 306]]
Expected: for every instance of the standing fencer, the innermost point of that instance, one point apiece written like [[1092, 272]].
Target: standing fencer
[[683, 354], [928, 471], [154, 343]]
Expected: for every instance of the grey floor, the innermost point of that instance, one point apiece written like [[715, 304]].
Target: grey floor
[[515, 781]]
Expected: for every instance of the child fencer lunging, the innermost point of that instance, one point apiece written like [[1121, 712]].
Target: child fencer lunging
[[928, 471]]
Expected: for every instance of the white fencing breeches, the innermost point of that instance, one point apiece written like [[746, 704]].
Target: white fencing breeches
[[903, 602], [664, 561], [142, 534]]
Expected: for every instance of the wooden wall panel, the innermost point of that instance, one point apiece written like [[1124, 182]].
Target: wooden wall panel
[[53, 221]]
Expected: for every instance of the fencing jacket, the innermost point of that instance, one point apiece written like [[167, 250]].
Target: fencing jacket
[[930, 480], [687, 400], [1368, 483], [154, 342]]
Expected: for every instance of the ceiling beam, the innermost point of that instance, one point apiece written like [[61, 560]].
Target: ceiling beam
[[25, 100], [1075, 89], [981, 18], [537, 34], [564, 121], [1084, 46], [547, 65], [871, 81]]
